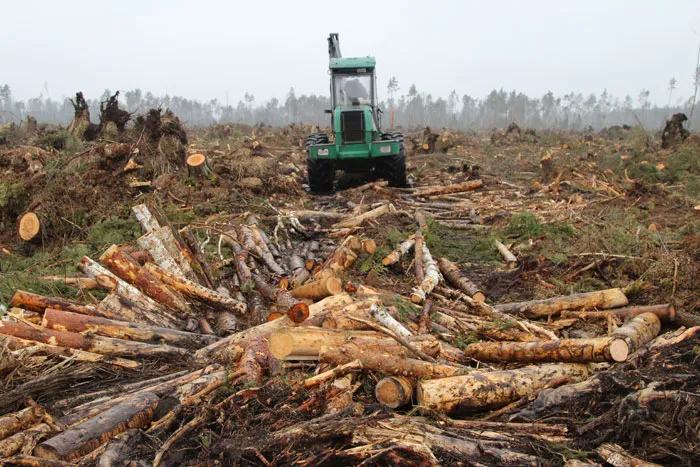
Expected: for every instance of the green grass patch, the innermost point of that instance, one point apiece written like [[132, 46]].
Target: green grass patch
[[373, 263]]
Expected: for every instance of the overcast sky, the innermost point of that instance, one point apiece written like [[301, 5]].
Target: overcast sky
[[205, 49]]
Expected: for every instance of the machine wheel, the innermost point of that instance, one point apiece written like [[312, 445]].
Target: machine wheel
[[393, 168], [321, 172]]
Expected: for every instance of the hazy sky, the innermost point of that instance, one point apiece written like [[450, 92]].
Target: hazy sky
[[204, 49]]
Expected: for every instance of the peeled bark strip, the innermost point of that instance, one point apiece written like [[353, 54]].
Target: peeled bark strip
[[296, 310], [666, 312], [389, 363], [603, 299], [319, 289], [96, 344], [145, 218], [134, 296], [75, 354], [13, 444], [401, 249], [195, 290], [373, 214], [455, 276], [449, 189], [509, 257], [431, 280], [132, 272], [488, 390], [72, 322], [37, 303], [29, 227], [88, 436], [20, 421], [394, 391]]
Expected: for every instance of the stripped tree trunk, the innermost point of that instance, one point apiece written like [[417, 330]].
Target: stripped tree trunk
[[603, 299]]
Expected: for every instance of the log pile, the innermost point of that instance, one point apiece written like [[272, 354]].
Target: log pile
[[279, 308]]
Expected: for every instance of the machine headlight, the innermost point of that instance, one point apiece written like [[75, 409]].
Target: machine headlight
[[323, 151], [385, 149]]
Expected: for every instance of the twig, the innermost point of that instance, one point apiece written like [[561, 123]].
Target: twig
[[176, 437]]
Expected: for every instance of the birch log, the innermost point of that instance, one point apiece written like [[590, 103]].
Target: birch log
[[431, 280], [402, 248]]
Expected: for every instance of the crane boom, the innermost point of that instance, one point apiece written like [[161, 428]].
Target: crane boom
[[334, 46]]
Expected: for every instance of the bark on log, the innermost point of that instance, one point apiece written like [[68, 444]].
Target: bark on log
[[96, 344], [118, 308], [639, 330], [401, 249], [319, 289], [75, 354], [177, 249], [8, 362], [88, 436], [487, 390], [615, 455], [453, 274], [20, 421], [224, 348], [296, 310], [666, 312], [381, 314], [145, 218], [161, 255], [373, 214], [37, 303], [418, 258], [420, 220], [389, 363], [431, 280], [29, 227], [394, 391], [33, 461], [603, 299], [332, 374], [341, 260], [128, 269], [509, 257], [72, 322], [195, 290], [200, 265], [449, 189], [146, 305], [299, 273], [83, 283], [264, 250], [13, 444], [599, 349]]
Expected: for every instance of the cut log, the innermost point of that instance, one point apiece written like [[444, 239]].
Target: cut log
[[602, 299], [394, 391], [639, 330], [13, 444], [145, 218], [161, 255], [449, 189], [479, 391], [198, 166], [74, 354], [319, 289], [459, 280], [616, 456], [96, 344], [33, 461], [83, 283], [332, 374], [418, 258], [118, 308], [200, 265], [37, 303], [29, 227], [401, 249], [8, 362], [599, 349], [296, 310], [665, 312], [195, 290], [509, 257], [420, 220], [128, 269], [389, 363], [341, 260], [72, 322], [431, 280], [20, 421], [264, 250], [147, 306], [86, 437], [381, 314], [373, 214]]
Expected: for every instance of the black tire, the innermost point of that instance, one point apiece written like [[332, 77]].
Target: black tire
[[393, 168], [321, 172]]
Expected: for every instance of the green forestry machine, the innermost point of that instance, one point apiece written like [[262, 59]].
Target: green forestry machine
[[358, 143]]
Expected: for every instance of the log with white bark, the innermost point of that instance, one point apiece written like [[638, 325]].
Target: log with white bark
[[97, 344], [319, 289], [195, 290], [455, 276], [89, 435], [19, 421], [381, 314], [145, 218], [509, 257], [299, 274], [479, 391], [601, 299], [431, 280], [161, 255], [373, 214], [73, 322], [394, 391], [128, 269], [38, 303], [119, 308], [450, 189], [131, 294], [401, 249]]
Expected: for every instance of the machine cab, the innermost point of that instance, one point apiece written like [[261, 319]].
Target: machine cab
[[353, 94]]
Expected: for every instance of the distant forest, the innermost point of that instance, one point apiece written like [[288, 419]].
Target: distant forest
[[414, 108]]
